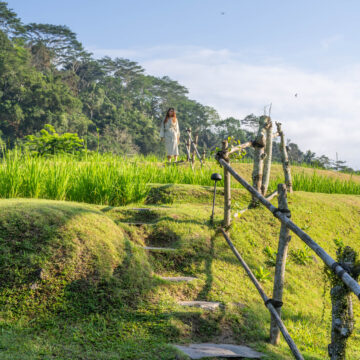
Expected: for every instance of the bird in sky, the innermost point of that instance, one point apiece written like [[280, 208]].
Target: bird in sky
[[222, 13], [296, 95]]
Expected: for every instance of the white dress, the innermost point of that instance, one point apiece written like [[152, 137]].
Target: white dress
[[171, 133]]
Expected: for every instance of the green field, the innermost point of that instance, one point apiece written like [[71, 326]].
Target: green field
[[113, 180]]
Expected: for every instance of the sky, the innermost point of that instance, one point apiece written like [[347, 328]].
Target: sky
[[237, 56]]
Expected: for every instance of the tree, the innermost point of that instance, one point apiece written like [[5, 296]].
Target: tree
[[60, 42], [10, 24]]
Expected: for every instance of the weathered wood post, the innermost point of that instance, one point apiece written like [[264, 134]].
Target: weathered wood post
[[188, 144], [342, 311], [227, 187], [194, 150], [285, 159], [259, 154], [268, 158], [281, 256]]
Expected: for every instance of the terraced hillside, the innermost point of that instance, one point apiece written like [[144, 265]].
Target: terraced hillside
[[85, 282]]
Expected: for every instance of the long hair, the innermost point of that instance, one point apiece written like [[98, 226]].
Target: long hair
[[167, 116]]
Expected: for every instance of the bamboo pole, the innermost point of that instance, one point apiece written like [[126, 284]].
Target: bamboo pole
[[266, 300], [281, 256], [323, 255], [188, 145], [268, 158], [285, 159], [259, 154], [195, 146], [193, 153], [227, 187]]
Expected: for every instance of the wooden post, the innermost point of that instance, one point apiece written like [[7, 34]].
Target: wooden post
[[194, 149], [342, 311], [285, 159], [203, 155], [259, 154], [268, 158], [188, 145], [227, 187], [284, 240]]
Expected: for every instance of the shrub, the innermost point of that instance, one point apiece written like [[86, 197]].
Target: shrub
[[49, 142]]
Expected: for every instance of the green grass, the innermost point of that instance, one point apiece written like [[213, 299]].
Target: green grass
[[97, 298], [113, 180]]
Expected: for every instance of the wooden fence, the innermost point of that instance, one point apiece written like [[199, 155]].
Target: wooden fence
[[282, 213]]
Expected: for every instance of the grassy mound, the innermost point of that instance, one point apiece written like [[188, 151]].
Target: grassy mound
[[57, 256], [108, 306]]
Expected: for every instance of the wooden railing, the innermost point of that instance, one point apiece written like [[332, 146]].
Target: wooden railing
[[282, 213]]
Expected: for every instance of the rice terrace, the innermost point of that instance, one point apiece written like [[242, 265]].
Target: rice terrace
[[137, 223]]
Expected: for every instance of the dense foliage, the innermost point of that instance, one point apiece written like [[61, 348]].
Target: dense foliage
[[46, 77]]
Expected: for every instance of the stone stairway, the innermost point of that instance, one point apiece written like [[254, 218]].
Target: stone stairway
[[205, 350]]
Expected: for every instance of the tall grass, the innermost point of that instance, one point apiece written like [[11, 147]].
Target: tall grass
[[324, 184], [320, 184], [98, 179], [113, 180]]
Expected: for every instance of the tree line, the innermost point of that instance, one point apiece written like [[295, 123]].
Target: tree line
[[47, 77]]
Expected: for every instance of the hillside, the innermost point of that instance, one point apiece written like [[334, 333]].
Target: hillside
[[83, 288]]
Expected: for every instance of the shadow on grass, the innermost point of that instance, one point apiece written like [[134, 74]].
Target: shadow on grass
[[126, 288], [203, 294]]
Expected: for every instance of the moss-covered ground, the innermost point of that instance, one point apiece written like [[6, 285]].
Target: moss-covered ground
[[76, 284]]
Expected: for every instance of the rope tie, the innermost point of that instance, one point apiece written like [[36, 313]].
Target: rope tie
[[287, 212], [275, 303]]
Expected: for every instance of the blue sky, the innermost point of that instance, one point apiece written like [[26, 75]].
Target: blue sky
[[259, 51]]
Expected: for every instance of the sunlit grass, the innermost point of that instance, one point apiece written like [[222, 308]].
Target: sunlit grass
[[114, 180]]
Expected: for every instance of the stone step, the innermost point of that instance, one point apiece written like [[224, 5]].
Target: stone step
[[140, 209], [206, 305], [135, 223], [160, 249], [178, 278], [199, 351]]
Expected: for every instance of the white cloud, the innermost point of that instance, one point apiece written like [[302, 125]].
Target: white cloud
[[329, 41], [323, 117]]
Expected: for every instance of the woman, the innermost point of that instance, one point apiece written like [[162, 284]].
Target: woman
[[171, 133]]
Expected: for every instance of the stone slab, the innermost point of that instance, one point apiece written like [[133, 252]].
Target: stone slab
[[199, 351], [152, 248], [140, 209], [178, 278], [206, 305]]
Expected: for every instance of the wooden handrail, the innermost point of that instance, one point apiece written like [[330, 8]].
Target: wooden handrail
[[266, 300], [324, 256]]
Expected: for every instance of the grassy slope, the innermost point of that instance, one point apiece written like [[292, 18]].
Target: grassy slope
[[136, 321]]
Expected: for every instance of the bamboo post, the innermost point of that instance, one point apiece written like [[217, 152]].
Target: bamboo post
[[284, 240], [188, 145], [259, 154], [268, 158], [227, 186], [194, 149], [342, 311], [285, 159]]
